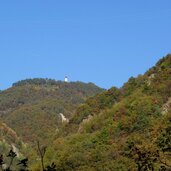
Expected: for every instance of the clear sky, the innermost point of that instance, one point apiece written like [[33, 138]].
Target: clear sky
[[100, 41]]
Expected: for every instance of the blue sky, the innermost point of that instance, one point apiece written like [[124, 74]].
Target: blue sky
[[100, 41]]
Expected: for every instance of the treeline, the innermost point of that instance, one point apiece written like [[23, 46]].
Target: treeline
[[37, 81]]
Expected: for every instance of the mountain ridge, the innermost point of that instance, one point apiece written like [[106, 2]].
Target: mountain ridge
[[130, 133]]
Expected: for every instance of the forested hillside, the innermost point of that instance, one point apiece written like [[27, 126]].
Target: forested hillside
[[33, 107], [121, 129], [126, 129]]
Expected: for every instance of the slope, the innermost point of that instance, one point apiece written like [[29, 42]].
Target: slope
[[121, 129]]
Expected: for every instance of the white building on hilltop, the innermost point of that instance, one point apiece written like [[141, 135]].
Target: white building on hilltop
[[66, 79]]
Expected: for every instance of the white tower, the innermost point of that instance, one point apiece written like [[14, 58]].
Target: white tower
[[66, 79]]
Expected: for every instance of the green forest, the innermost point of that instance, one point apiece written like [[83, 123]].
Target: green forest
[[120, 129]]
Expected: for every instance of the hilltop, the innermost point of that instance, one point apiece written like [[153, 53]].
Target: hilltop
[[32, 107]]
